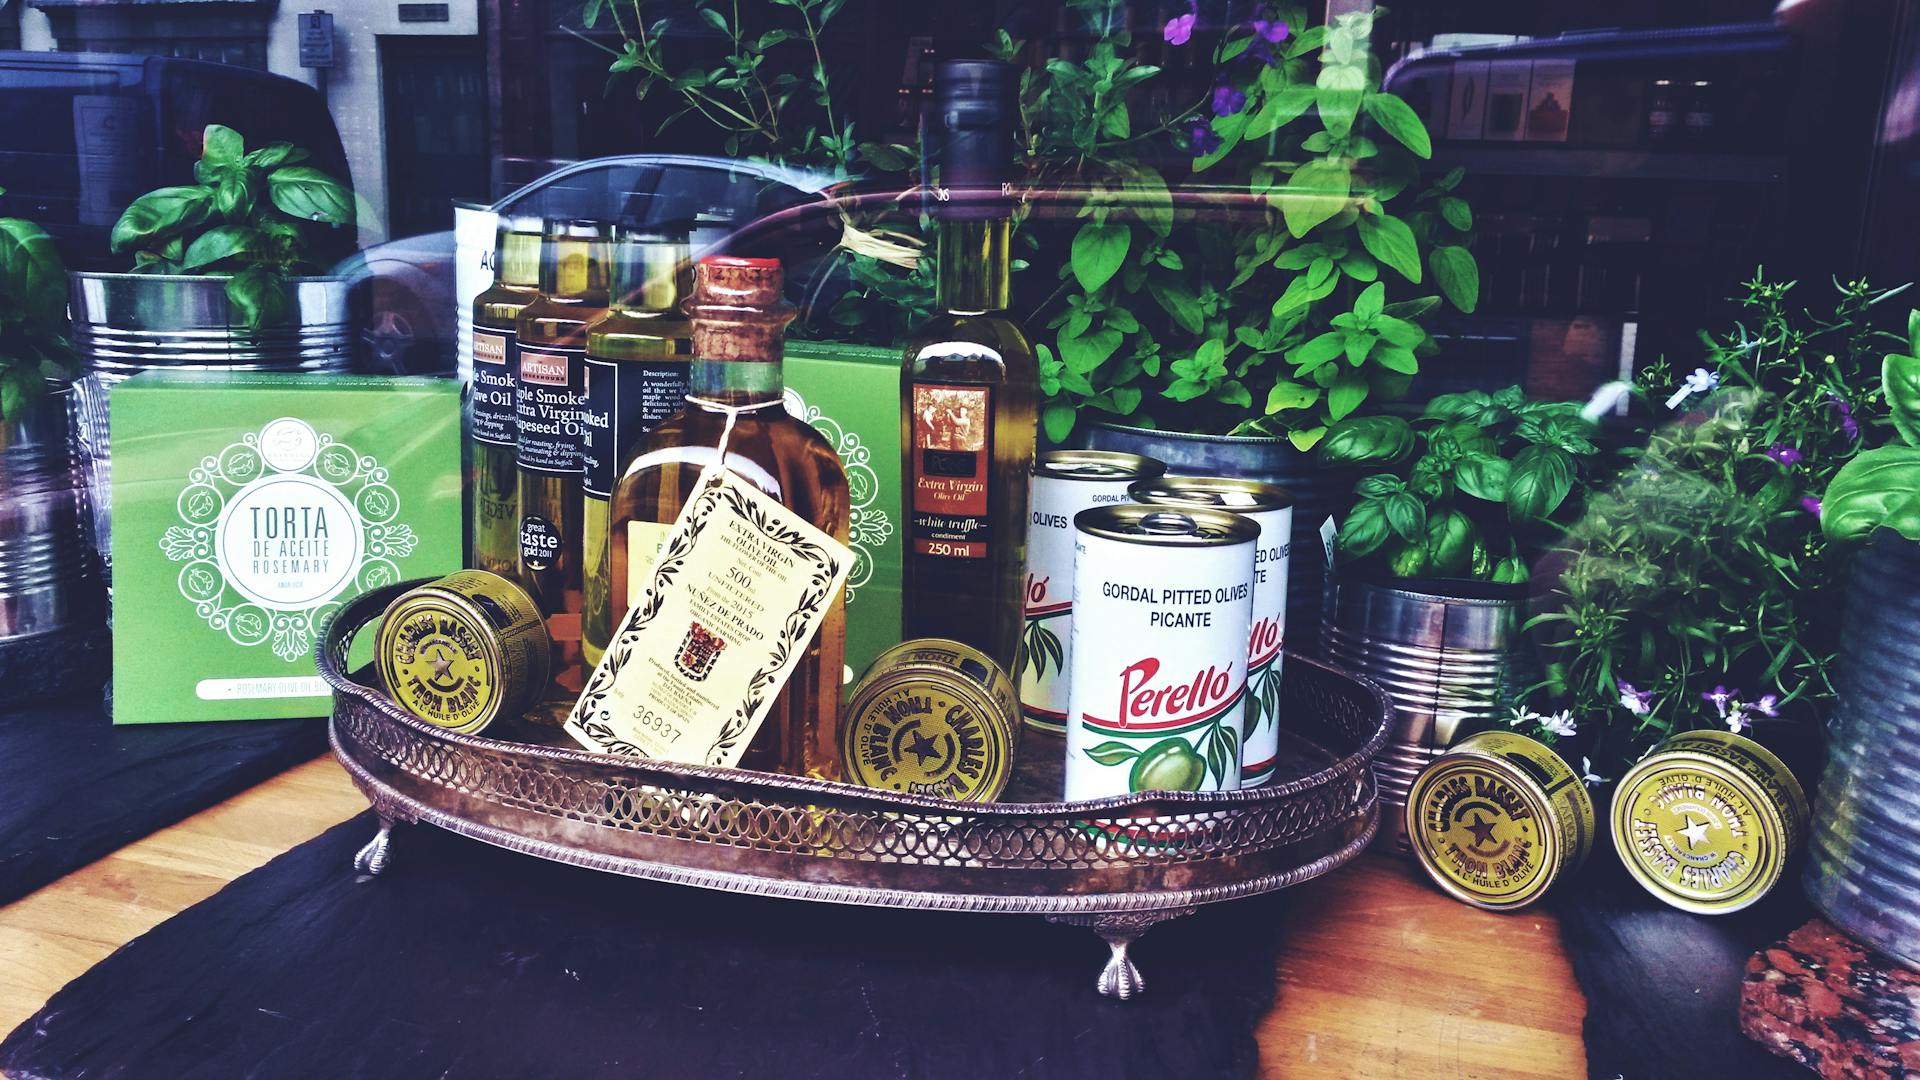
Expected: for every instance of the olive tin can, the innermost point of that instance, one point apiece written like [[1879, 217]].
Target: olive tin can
[[1708, 821], [932, 717], [1162, 600], [463, 651], [1497, 819], [1065, 482], [1271, 508]]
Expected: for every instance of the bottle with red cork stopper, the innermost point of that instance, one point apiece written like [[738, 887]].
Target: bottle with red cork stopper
[[736, 399]]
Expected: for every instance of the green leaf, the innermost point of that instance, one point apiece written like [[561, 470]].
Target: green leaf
[[1359, 266], [1900, 380], [887, 157], [1148, 198], [1367, 440], [1178, 301], [1879, 488], [1291, 395], [1391, 241], [1357, 346], [220, 145], [1371, 299], [1398, 119], [1346, 395], [304, 192], [1365, 529], [1230, 129], [1398, 331], [1406, 516], [259, 297], [1483, 476], [1085, 352], [1317, 191], [234, 197], [1098, 252], [1397, 358], [1058, 419], [32, 275], [220, 242], [1113, 753], [715, 20], [1339, 93], [1312, 354], [1456, 212], [1306, 439], [1457, 274], [1449, 542], [160, 213], [1279, 110], [1538, 482]]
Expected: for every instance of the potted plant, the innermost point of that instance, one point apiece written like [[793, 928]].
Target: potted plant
[[49, 586], [1434, 557]]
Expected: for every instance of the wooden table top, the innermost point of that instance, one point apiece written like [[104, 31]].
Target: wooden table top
[[1379, 975]]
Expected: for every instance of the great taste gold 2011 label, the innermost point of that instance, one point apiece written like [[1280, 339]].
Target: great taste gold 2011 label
[[741, 585]]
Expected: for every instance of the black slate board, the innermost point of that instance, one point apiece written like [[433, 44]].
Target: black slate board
[[463, 960], [73, 787], [1663, 985]]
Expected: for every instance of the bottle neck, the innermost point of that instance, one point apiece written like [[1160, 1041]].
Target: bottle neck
[[574, 269], [519, 264], [736, 382], [974, 266], [650, 277]]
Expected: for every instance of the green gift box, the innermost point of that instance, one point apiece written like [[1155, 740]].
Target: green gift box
[[248, 508], [851, 394]]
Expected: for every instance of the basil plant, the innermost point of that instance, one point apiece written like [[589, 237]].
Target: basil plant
[[1470, 489], [33, 316], [251, 216], [1880, 488]]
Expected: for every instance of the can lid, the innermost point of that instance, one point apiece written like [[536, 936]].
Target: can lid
[[1707, 829], [1152, 525], [439, 658], [934, 718], [1224, 492], [1097, 465], [1483, 823]]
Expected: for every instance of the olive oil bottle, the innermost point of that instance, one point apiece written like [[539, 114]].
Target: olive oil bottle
[[636, 377], [969, 389], [496, 313], [549, 393]]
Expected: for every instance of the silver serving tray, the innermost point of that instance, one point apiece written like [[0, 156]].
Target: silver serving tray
[[1116, 865]]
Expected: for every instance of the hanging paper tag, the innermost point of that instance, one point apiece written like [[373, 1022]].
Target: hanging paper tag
[[1328, 532], [740, 587]]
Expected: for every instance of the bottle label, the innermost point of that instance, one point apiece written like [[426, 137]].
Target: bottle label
[[493, 394], [625, 399], [952, 453], [539, 543], [548, 394]]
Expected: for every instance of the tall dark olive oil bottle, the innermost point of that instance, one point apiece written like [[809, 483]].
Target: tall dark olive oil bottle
[[496, 318]]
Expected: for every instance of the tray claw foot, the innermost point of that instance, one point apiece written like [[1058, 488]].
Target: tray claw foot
[[374, 857], [1120, 978]]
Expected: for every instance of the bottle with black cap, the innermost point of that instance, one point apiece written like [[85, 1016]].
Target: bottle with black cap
[[969, 387]]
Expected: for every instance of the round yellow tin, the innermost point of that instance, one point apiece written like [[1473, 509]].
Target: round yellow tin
[[1708, 820], [932, 717], [463, 651], [1497, 819]]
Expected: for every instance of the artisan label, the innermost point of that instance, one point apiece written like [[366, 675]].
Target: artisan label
[[952, 462], [548, 397], [742, 585], [494, 359]]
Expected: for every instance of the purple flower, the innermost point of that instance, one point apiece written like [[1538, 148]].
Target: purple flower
[[1784, 454], [1768, 705], [1227, 100], [1203, 139], [1720, 696], [1180, 27], [1260, 52], [1847, 423], [1811, 505], [1271, 31], [1636, 701]]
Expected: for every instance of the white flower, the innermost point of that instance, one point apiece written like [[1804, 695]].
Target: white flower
[[1560, 723], [1590, 777], [1737, 718], [1523, 716], [1698, 381]]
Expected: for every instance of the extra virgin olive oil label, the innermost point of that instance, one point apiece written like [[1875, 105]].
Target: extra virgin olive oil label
[[549, 392], [624, 400], [494, 360], [952, 462], [742, 585]]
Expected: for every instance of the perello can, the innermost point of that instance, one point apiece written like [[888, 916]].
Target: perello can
[[1065, 482], [1497, 819], [463, 651], [932, 717], [1708, 821], [1162, 602], [1271, 508]]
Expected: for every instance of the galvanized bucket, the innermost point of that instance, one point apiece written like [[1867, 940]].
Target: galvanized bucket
[[1864, 869], [1318, 493], [48, 579], [1446, 652], [124, 324]]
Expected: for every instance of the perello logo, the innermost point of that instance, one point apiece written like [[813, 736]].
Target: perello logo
[[276, 528]]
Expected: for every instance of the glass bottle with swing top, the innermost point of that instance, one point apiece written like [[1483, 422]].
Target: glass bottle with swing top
[[735, 406]]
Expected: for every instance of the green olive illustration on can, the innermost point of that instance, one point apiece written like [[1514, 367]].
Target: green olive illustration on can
[[1168, 765]]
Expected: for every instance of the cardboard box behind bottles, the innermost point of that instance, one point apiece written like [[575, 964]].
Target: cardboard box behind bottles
[[247, 508], [851, 394]]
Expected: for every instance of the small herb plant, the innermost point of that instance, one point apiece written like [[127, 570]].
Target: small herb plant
[[1880, 488], [1481, 482], [1698, 590], [33, 316], [250, 216]]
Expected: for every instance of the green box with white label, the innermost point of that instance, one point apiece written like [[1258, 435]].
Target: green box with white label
[[851, 394], [247, 508]]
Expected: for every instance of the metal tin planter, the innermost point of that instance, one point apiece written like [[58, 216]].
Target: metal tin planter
[[1318, 493], [1864, 870], [124, 324], [1446, 652], [50, 591]]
